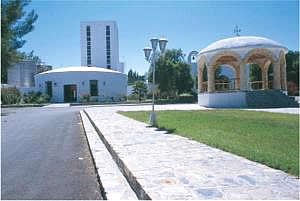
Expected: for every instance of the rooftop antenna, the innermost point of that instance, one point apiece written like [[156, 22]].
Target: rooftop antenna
[[237, 30]]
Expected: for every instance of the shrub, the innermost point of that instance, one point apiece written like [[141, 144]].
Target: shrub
[[10, 96], [132, 97], [35, 97], [43, 99], [85, 98]]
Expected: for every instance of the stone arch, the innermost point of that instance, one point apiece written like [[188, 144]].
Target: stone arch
[[227, 56], [259, 53]]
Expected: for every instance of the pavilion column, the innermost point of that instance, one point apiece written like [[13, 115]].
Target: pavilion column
[[237, 82], [210, 79], [243, 79], [276, 75], [264, 73], [283, 76], [200, 76]]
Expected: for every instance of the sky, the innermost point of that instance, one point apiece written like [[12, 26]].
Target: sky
[[189, 25]]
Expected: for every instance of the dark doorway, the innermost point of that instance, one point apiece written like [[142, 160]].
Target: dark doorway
[[70, 93], [49, 88]]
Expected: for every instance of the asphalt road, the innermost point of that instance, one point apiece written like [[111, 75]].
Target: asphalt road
[[44, 155]]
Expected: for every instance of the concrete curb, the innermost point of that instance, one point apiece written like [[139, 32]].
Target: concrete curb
[[135, 185], [109, 105], [23, 105], [113, 184]]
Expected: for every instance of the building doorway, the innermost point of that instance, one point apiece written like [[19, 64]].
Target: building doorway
[[70, 93], [49, 88]]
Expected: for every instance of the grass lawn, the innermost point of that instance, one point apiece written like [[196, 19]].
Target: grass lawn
[[265, 137]]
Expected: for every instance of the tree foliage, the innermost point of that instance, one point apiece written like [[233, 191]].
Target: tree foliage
[[30, 56], [172, 74], [140, 89], [292, 66], [134, 76], [15, 23], [255, 73]]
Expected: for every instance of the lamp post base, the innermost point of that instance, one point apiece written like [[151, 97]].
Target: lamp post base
[[152, 118]]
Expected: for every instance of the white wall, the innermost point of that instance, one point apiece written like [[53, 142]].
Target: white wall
[[223, 100], [109, 84], [98, 43]]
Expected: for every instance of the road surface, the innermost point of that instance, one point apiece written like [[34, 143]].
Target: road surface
[[44, 155]]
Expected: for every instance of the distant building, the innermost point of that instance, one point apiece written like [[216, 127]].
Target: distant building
[[99, 44], [22, 74]]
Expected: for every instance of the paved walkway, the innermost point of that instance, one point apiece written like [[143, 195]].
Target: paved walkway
[[165, 166], [114, 184], [58, 105]]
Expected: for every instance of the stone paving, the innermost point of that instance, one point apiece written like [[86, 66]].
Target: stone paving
[[114, 184], [58, 105], [166, 166]]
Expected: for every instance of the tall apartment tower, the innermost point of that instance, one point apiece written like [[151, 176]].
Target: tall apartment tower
[[99, 44]]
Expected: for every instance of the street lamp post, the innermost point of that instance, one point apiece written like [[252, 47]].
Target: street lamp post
[[151, 58]]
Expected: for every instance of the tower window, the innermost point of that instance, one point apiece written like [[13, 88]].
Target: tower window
[[88, 49]]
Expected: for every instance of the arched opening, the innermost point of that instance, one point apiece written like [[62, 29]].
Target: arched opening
[[255, 81], [259, 70], [225, 78], [226, 71]]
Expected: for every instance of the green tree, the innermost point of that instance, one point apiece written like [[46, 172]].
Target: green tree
[[15, 23], [183, 80], [134, 76], [31, 56], [140, 89], [172, 74], [255, 73], [165, 76], [292, 66]]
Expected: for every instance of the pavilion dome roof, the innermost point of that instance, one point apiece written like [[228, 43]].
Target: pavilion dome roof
[[80, 69], [242, 42]]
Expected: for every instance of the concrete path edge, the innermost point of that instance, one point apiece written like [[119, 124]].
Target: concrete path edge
[[137, 188], [113, 184]]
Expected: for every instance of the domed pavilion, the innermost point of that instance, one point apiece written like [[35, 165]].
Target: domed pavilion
[[237, 53]]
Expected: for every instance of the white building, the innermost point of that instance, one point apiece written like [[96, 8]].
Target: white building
[[72, 83], [99, 44], [100, 75]]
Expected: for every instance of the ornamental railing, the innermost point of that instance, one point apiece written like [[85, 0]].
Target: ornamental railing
[[255, 85], [232, 85]]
